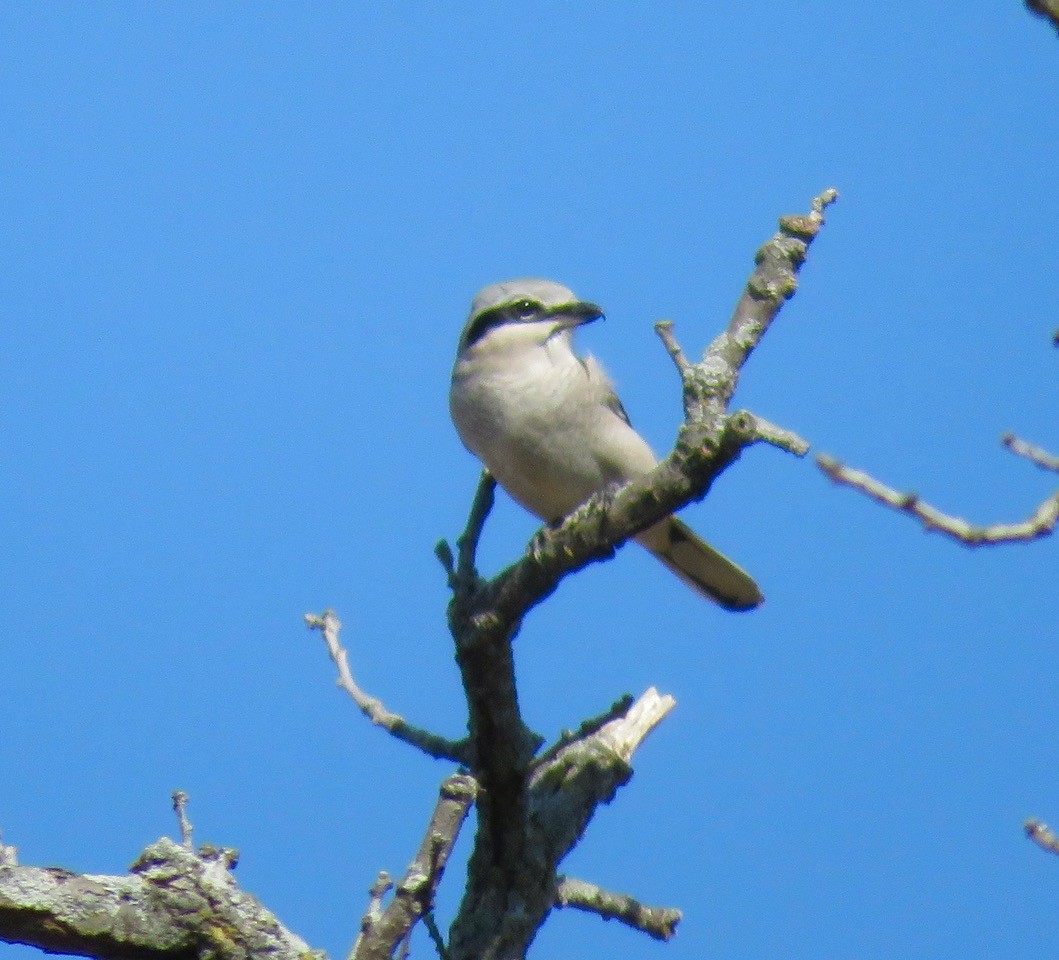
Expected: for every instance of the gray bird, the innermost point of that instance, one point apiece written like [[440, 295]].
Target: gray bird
[[548, 425]]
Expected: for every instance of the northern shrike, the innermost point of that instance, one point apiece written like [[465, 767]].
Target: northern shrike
[[548, 425]]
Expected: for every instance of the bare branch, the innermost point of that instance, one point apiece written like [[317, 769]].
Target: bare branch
[[414, 896], [530, 814], [619, 708], [755, 428], [430, 743], [664, 329], [435, 935], [1037, 455], [155, 913], [778, 437], [467, 545], [658, 922], [563, 794], [1041, 523], [463, 573], [625, 733], [1042, 835], [383, 884], [774, 280]]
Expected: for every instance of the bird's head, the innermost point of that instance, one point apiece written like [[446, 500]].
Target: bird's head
[[527, 311]]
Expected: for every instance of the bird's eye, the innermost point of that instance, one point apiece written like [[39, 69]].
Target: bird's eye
[[525, 309]]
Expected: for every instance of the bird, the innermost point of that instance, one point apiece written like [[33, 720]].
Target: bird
[[547, 424]]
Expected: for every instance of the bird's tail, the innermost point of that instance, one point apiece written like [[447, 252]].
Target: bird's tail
[[700, 566]]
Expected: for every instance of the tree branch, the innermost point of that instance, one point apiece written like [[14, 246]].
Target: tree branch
[[563, 795], [1037, 455], [658, 922], [524, 826], [619, 708], [174, 904], [708, 442], [382, 932], [430, 743], [1040, 523]]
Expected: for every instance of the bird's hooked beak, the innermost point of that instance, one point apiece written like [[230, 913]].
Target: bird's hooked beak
[[575, 314]]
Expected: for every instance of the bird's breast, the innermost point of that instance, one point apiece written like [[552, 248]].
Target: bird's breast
[[533, 427]]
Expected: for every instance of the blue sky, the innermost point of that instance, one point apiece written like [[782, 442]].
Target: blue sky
[[240, 241]]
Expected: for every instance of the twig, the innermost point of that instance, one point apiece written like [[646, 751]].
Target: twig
[[1041, 523], [1037, 455], [664, 329], [414, 895], [382, 885], [774, 280], [462, 574], [180, 807], [658, 922], [435, 935], [1042, 835], [775, 436], [430, 743], [467, 544]]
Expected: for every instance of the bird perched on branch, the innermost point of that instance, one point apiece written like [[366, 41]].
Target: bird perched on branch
[[549, 427]]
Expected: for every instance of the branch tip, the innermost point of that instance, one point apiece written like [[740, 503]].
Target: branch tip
[[180, 807], [658, 922], [429, 743], [1039, 524], [1037, 455], [1042, 835], [664, 329]]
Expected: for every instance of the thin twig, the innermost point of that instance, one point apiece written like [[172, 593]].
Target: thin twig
[[467, 544], [430, 743], [664, 329], [1035, 454], [435, 935], [1042, 835], [1040, 523], [658, 922], [382, 885], [180, 806], [414, 895], [779, 437]]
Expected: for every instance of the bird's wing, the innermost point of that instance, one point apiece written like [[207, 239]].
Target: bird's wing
[[604, 388]]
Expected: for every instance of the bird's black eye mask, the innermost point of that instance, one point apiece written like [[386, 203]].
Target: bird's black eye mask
[[525, 310], [521, 311]]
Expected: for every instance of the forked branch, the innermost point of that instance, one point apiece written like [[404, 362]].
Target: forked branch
[[1039, 524]]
